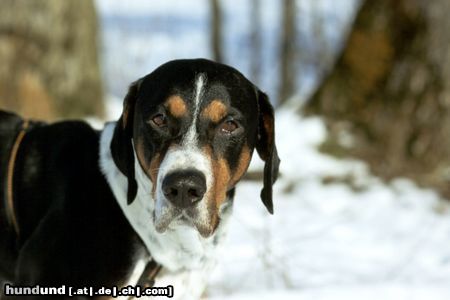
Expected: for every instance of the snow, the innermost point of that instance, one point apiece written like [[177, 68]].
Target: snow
[[328, 240], [338, 232], [386, 292]]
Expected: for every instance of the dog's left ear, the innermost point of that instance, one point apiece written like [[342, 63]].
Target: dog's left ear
[[267, 150], [122, 142]]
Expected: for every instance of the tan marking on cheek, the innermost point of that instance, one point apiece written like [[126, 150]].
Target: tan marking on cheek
[[153, 171], [154, 167], [140, 154], [150, 168], [222, 178], [244, 161], [176, 106], [215, 111], [219, 187]]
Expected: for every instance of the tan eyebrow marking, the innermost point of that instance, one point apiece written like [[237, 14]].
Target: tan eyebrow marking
[[215, 111], [176, 105]]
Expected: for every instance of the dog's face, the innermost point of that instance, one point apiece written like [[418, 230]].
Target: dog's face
[[193, 125]]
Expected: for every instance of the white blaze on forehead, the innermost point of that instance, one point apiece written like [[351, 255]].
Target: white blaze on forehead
[[188, 155], [185, 156], [191, 136]]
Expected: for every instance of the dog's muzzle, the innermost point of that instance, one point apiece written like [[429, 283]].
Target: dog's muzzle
[[184, 188]]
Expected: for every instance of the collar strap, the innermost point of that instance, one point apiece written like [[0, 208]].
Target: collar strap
[[147, 279], [150, 272], [10, 211]]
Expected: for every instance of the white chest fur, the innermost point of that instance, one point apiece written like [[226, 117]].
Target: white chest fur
[[186, 257]]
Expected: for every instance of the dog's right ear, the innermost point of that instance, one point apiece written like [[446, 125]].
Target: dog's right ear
[[122, 142], [267, 150]]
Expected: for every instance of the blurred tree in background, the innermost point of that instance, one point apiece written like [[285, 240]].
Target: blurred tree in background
[[390, 89], [256, 42], [216, 30], [48, 50], [287, 51]]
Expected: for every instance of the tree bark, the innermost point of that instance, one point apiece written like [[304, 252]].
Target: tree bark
[[287, 52], [256, 41], [390, 89], [48, 50], [216, 30]]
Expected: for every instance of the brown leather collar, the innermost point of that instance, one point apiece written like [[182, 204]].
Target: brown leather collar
[[152, 269], [10, 210], [148, 276], [147, 279]]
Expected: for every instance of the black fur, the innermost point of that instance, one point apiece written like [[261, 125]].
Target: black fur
[[121, 144], [72, 231], [267, 149], [224, 82]]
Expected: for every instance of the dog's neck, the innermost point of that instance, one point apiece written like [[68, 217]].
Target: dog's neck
[[180, 247]]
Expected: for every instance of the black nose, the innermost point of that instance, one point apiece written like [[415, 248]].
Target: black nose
[[184, 188]]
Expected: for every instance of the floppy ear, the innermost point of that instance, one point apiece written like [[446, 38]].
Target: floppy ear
[[122, 144], [267, 150]]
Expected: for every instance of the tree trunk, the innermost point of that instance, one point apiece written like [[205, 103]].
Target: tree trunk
[[287, 51], [390, 89], [216, 30], [48, 50], [256, 41]]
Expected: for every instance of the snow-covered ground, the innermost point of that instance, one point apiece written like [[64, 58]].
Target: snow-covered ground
[[330, 240], [338, 232]]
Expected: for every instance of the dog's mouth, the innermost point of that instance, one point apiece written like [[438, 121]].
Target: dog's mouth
[[183, 193], [166, 217]]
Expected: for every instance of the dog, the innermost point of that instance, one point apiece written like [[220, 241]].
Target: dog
[[152, 191]]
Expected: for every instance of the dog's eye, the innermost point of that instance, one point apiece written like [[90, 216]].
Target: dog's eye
[[228, 126], [159, 120]]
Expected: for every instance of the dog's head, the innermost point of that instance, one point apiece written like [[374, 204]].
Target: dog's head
[[193, 125]]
